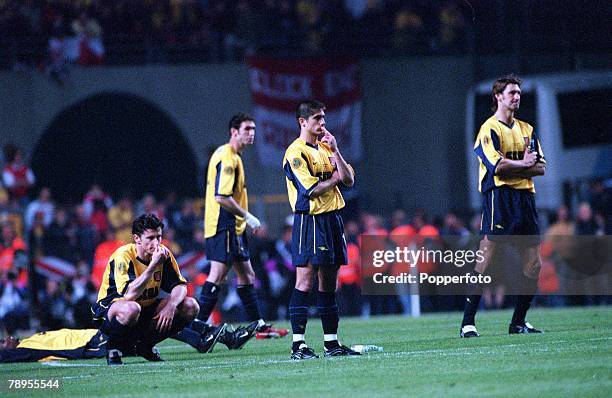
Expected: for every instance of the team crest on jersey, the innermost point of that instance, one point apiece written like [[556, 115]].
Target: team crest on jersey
[[297, 162], [157, 276], [228, 170], [122, 267]]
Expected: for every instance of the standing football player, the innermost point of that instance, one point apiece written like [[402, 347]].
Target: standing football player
[[510, 157], [314, 168]]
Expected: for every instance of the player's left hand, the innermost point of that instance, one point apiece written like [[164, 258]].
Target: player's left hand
[[165, 318], [329, 139]]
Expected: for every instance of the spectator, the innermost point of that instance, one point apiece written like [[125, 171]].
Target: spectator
[[13, 253], [56, 304], [42, 205], [85, 236], [88, 35], [184, 223], [17, 177], [585, 221], [99, 218], [101, 256], [451, 32], [408, 32], [95, 194], [57, 241], [120, 218], [14, 312], [148, 205]]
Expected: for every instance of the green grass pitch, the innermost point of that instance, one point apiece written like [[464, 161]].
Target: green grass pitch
[[422, 357]]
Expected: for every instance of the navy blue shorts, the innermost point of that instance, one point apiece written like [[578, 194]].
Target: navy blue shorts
[[100, 313], [318, 240], [508, 211], [227, 247]]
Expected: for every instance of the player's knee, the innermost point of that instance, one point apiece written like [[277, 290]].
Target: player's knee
[[190, 308], [129, 313], [532, 270], [303, 284], [247, 277]]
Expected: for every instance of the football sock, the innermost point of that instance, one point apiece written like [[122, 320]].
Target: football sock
[[296, 345], [472, 301], [298, 311], [199, 326], [154, 336], [330, 341], [248, 296], [523, 302], [208, 300], [188, 336], [118, 333], [328, 311]]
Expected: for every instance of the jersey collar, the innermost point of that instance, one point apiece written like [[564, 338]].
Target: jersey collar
[[315, 146]]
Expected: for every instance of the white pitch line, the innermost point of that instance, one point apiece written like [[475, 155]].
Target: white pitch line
[[67, 365], [244, 363]]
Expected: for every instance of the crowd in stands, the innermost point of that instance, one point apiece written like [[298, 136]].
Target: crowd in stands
[[51, 34], [53, 255]]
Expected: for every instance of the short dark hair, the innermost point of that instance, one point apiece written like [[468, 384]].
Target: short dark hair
[[308, 108], [144, 222], [499, 85], [237, 120]]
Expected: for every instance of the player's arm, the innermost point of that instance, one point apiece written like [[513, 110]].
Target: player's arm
[[325, 186], [508, 168], [138, 285], [533, 162], [173, 283], [538, 169], [346, 173], [165, 316], [224, 189]]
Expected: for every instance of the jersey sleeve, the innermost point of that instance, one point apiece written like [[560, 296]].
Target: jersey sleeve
[[297, 170], [171, 275], [225, 177], [537, 147], [488, 148], [123, 272]]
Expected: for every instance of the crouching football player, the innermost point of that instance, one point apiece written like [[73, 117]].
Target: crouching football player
[[129, 308]]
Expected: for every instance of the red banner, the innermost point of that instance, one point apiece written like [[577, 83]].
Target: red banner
[[278, 85]]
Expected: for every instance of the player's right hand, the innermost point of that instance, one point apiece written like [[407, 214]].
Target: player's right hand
[[529, 158], [252, 221], [159, 255]]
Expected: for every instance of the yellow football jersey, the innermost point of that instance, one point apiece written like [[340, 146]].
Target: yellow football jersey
[[124, 266], [495, 141], [225, 178], [305, 165], [63, 339]]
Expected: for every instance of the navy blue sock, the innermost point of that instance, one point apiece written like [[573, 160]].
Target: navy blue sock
[[248, 296], [298, 311], [472, 301], [523, 302], [189, 336], [328, 311], [208, 300], [199, 326], [119, 335]]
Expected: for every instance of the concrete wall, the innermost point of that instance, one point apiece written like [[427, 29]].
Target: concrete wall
[[412, 120]]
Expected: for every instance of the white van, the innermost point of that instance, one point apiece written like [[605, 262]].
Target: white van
[[572, 115]]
